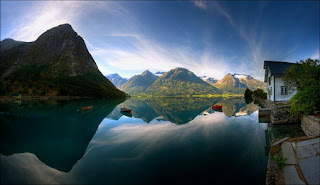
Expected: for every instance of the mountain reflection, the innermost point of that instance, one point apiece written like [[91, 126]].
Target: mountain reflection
[[57, 132], [181, 110]]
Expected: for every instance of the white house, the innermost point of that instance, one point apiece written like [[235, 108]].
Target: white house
[[276, 90]]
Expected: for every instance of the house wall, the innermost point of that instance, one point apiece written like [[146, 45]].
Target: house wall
[[274, 89], [277, 91], [270, 87]]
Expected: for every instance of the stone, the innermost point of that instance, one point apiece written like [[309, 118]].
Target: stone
[[310, 125], [280, 141], [310, 168], [317, 147], [280, 113], [287, 152], [306, 151], [308, 142], [291, 175]]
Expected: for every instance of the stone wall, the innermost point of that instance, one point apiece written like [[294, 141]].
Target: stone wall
[[264, 102], [310, 125], [280, 113]]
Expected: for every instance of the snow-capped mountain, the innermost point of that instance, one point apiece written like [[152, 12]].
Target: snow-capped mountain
[[237, 83], [208, 79], [159, 73], [116, 79]]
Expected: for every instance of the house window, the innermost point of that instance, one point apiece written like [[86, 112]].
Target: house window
[[284, 90]]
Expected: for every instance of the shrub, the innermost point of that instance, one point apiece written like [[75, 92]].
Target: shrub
[[305, 78], [248, 93], [259, 93], [280, 160]]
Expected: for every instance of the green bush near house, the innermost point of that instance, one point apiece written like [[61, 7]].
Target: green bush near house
[[259, 93], [304, 77]]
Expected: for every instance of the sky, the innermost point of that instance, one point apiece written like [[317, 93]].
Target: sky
[[211, 38]]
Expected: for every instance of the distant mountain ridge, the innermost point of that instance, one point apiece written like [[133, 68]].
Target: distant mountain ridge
[[116, 79], [180, 81], [139, 83], [7, 44], [238, 83], [57, 63], [209, 80], [159, 73]]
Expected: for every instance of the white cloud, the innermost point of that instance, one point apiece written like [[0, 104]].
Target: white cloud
[[45, 15], [256, 54], [315, 55], [145, 53], [152, 55], [41, 18], [146, 135], [200, 4]]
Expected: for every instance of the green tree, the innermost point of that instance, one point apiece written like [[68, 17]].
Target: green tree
[[248, 96], [259, 93], [305, 78], [248, 93]]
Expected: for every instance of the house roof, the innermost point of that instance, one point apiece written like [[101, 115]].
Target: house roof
[[277, 68]]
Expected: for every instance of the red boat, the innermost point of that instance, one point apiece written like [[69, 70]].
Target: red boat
[[87, 108], [216, 106], [125, 110]]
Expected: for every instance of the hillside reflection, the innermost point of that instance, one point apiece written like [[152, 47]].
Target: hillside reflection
[[57, 132], [181, 110]]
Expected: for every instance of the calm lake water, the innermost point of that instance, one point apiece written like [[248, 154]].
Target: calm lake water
[[164, 141]]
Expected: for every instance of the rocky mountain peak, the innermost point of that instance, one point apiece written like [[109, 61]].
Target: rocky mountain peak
[[114, 75], [116, 79], [237, 83], [61, 46], [9, 43], [57, 63], [8, 40], [146, 72], [181, 69]]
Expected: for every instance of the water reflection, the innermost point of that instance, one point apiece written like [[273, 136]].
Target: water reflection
[[56, 132], [181, 110], [53, 143], [209, 149]]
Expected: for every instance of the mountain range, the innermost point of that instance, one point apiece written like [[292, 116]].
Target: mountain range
[[116, 79], [57, 63], [238, 83], [209, 80], [180, 81], [139, 83], [180, 110]]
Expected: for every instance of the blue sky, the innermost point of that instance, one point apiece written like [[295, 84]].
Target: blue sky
[[210, 38]]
